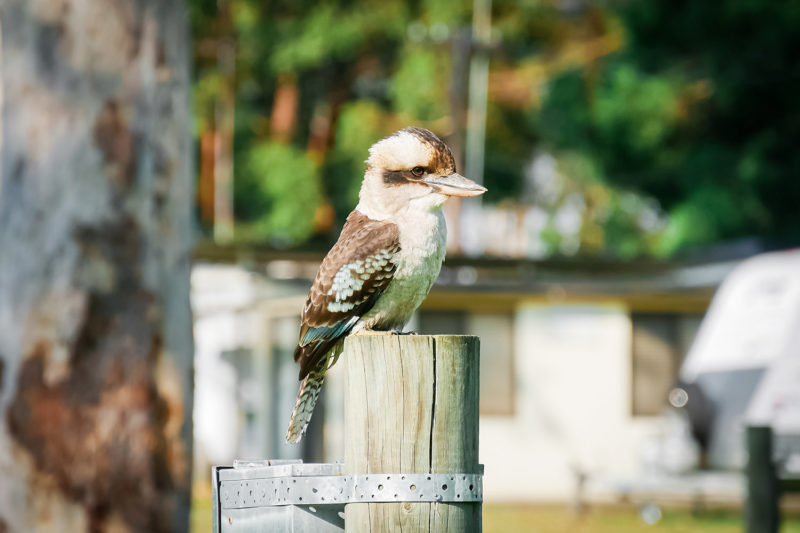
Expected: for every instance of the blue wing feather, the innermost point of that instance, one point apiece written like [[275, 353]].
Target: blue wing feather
[[331, 332]]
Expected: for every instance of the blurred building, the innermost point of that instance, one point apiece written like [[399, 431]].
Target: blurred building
[[577, 360]]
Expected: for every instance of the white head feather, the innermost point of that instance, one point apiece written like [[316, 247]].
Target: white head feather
[[402, 151]]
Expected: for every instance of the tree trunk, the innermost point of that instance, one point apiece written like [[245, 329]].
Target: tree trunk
[[95, 247]]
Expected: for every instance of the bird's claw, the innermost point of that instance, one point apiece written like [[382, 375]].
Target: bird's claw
[[371, 332]]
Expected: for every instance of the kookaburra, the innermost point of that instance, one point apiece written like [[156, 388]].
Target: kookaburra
[[386, 259]]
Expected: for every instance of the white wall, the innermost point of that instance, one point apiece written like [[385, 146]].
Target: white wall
[[572, 391], [219, 294], [573, 371], [242, 407]]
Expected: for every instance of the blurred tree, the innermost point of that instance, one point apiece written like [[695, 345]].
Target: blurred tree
[[297, 64], [699, 110], [95, 232], [673, 122], [287, 184]]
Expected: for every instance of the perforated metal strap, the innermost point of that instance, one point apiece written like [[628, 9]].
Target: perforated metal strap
[[363, 488]]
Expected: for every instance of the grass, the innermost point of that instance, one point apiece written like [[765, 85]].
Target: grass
[[200, 517], [560, 519]]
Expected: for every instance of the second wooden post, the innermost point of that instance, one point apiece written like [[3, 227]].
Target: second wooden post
[[411, 406]]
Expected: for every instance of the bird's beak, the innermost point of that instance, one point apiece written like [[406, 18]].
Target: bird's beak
[[454, 185]]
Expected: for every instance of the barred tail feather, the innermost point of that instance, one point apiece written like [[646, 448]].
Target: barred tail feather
[[304, 406]]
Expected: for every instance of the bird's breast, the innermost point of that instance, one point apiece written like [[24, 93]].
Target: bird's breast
[[423, 238]]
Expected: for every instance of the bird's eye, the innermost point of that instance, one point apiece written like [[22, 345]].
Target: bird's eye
[[418, 171]]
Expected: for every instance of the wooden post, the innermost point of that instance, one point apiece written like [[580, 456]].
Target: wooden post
[[761, 512], [411, 406]]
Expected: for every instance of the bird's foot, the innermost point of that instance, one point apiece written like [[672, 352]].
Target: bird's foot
[[372, 332]]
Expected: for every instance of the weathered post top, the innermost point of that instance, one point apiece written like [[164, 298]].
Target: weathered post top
[[411, 407]]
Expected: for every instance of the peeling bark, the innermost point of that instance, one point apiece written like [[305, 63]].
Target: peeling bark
[[95, 232]]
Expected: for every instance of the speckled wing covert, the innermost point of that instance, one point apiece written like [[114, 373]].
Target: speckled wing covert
[[352, 276]]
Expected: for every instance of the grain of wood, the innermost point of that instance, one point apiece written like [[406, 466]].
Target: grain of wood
[[411, 406]]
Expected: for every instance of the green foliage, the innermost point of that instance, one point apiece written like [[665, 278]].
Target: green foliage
[[446, 12], [697, 111], [330, 32], [419, 85], [509, 141], [360, 125], [586, 216], [672, 123], [285, 181], [206, 90], [640, 110]]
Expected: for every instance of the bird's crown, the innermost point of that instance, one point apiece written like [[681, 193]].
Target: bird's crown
[[412, 148]]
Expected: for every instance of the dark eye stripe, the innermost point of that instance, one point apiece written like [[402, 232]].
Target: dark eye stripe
[[398, 177]]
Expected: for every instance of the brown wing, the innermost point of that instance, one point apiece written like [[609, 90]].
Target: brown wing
[[352, 276]]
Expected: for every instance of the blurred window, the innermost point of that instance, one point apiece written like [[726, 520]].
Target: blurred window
[[497, 362], [659, 343]]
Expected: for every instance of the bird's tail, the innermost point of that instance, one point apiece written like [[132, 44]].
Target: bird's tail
[[304, 406]]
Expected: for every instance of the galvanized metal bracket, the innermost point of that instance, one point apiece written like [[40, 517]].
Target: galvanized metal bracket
[[273, 487]]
